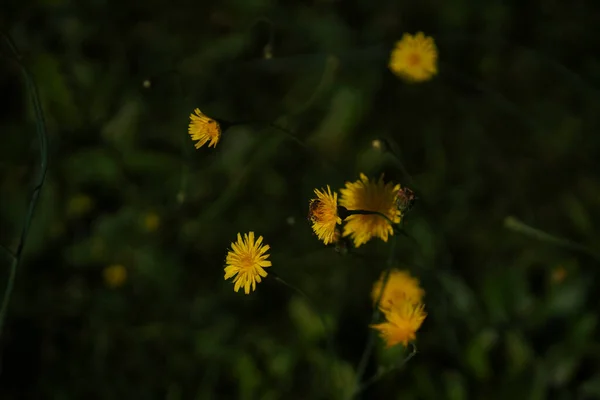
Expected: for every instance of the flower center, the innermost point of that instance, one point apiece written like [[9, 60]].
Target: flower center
[[414, 59], [246, 262]]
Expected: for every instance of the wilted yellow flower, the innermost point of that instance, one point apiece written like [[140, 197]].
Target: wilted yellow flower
[[115, 275], [370, 196], [323, 214], [246, 261], [203, 129], [400, 287], [402, 323], [414, 58]]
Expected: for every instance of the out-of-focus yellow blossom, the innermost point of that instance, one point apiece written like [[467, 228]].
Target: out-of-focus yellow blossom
[[79, 205], [151, 222], [115, 275], [559, 274], [402, 323], [414, 58], [400, 287]]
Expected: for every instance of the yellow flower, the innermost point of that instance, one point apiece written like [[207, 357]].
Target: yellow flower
[[151, 222], [247, 260], [400, 287], [370, 196], [203, 129], [323, 214], [115, 275], [559, 274], [79, 205], [402, 323], [414, 58]]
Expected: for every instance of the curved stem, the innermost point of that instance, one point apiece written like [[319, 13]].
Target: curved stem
[[517, 225], [383, 372], [391, 148], [362, 365], [43, 139], [322, 319], [366, 212]]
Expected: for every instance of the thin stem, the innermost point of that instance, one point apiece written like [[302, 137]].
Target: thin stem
[[517, 225], [7, 251], [43, 139], [391, 148], [322, 319], [366, 212], [288, 134], [362, 365], [385, 371]]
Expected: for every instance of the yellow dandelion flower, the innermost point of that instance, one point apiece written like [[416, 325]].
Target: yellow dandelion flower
[[203, 129], [247, 261], [323, 214], [114, 275], [370, 196], [400, 287], [402, 323], [414, 58]]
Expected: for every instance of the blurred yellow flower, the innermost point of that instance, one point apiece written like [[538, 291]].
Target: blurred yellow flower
[[402, 323], [559, 274], [323, 214], [204, 129], [151, 222], [414, 58], [247, 261], [115, 275], [400, 287], [79, 205], [370, 196]]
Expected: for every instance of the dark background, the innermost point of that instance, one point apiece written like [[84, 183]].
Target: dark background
[[509, 127]]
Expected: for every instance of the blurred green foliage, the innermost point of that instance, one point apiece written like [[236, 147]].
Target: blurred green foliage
[[508, 128]]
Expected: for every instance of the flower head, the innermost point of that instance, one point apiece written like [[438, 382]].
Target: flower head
[[203, 129], [400, 287], [323, 213], [247, 261], [370, 196], [402, 323], [414, 58]]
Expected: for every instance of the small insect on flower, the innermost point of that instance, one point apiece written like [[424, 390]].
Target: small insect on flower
[[370, 195], [204, 129], [402, 323], [405, 199], [323, 213], [414, 58], [400, 287], [246, 262]]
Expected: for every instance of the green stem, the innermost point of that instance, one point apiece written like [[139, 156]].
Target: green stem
[[390, 147], [385, 371], [517, 225], [362, 365], [43, 139], [366, 212], [328, 334]]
